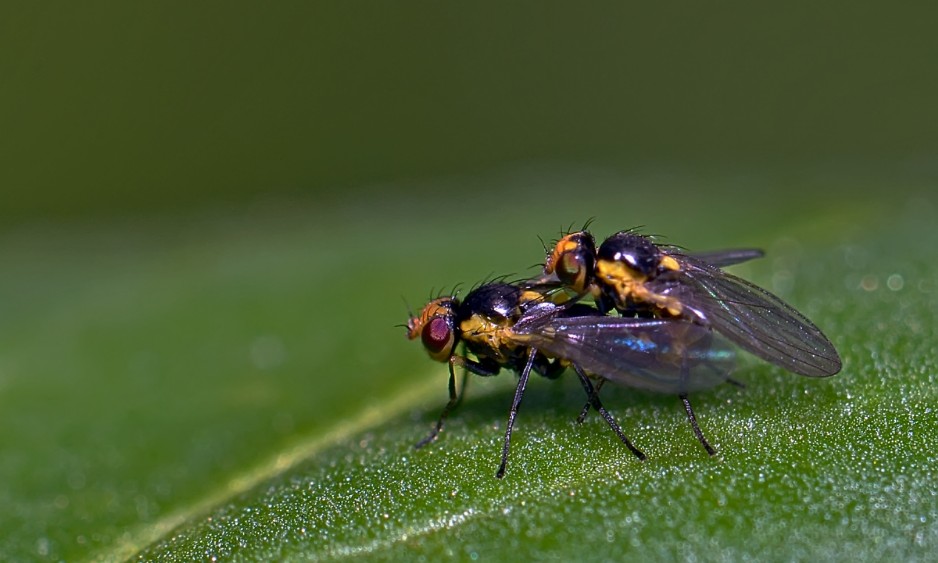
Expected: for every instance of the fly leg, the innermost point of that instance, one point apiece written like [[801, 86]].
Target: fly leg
[[519, 394], [598, 405], [586, 407], [454, 397], [690, 410], [735, 383], [553, 371], [693, 422]]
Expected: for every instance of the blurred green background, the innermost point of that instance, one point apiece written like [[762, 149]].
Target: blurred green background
[[210, 211], [108, 107]]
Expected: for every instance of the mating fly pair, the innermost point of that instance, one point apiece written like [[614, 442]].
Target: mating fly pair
[[633, 312]]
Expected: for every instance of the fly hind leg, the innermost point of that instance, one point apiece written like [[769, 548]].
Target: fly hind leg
[[598, 405], [693, 422]]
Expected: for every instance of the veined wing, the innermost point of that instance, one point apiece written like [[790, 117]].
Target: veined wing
[[667, 356], [753, 318]]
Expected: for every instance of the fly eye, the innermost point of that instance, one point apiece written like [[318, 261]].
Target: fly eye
[[570, 267], [574, 270], [572, 260], [438, 338]]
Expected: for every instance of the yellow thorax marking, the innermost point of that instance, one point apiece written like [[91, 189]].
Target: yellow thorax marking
[[485, 331], [619, 275], [531, 295], [669, 263], [630, 283]]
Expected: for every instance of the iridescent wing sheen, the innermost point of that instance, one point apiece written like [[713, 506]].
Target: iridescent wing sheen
[[670, 356], [750, 316]]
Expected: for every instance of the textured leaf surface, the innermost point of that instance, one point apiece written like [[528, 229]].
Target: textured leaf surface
[[232, 386]]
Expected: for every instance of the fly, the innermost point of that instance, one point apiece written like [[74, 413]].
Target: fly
[[505, 326], [635, 276]]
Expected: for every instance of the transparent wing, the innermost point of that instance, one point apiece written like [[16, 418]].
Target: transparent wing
[[728, 257], [753, 318], [667, 356]]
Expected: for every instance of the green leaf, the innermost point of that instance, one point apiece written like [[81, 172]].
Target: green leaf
[[232, 386]]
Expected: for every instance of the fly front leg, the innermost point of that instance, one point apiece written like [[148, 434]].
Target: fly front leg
[[468, 365]]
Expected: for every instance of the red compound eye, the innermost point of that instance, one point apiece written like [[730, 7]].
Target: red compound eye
[[437, 338]]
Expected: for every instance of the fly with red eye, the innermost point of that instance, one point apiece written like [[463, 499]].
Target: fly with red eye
[[481, 324], [504, 326]]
